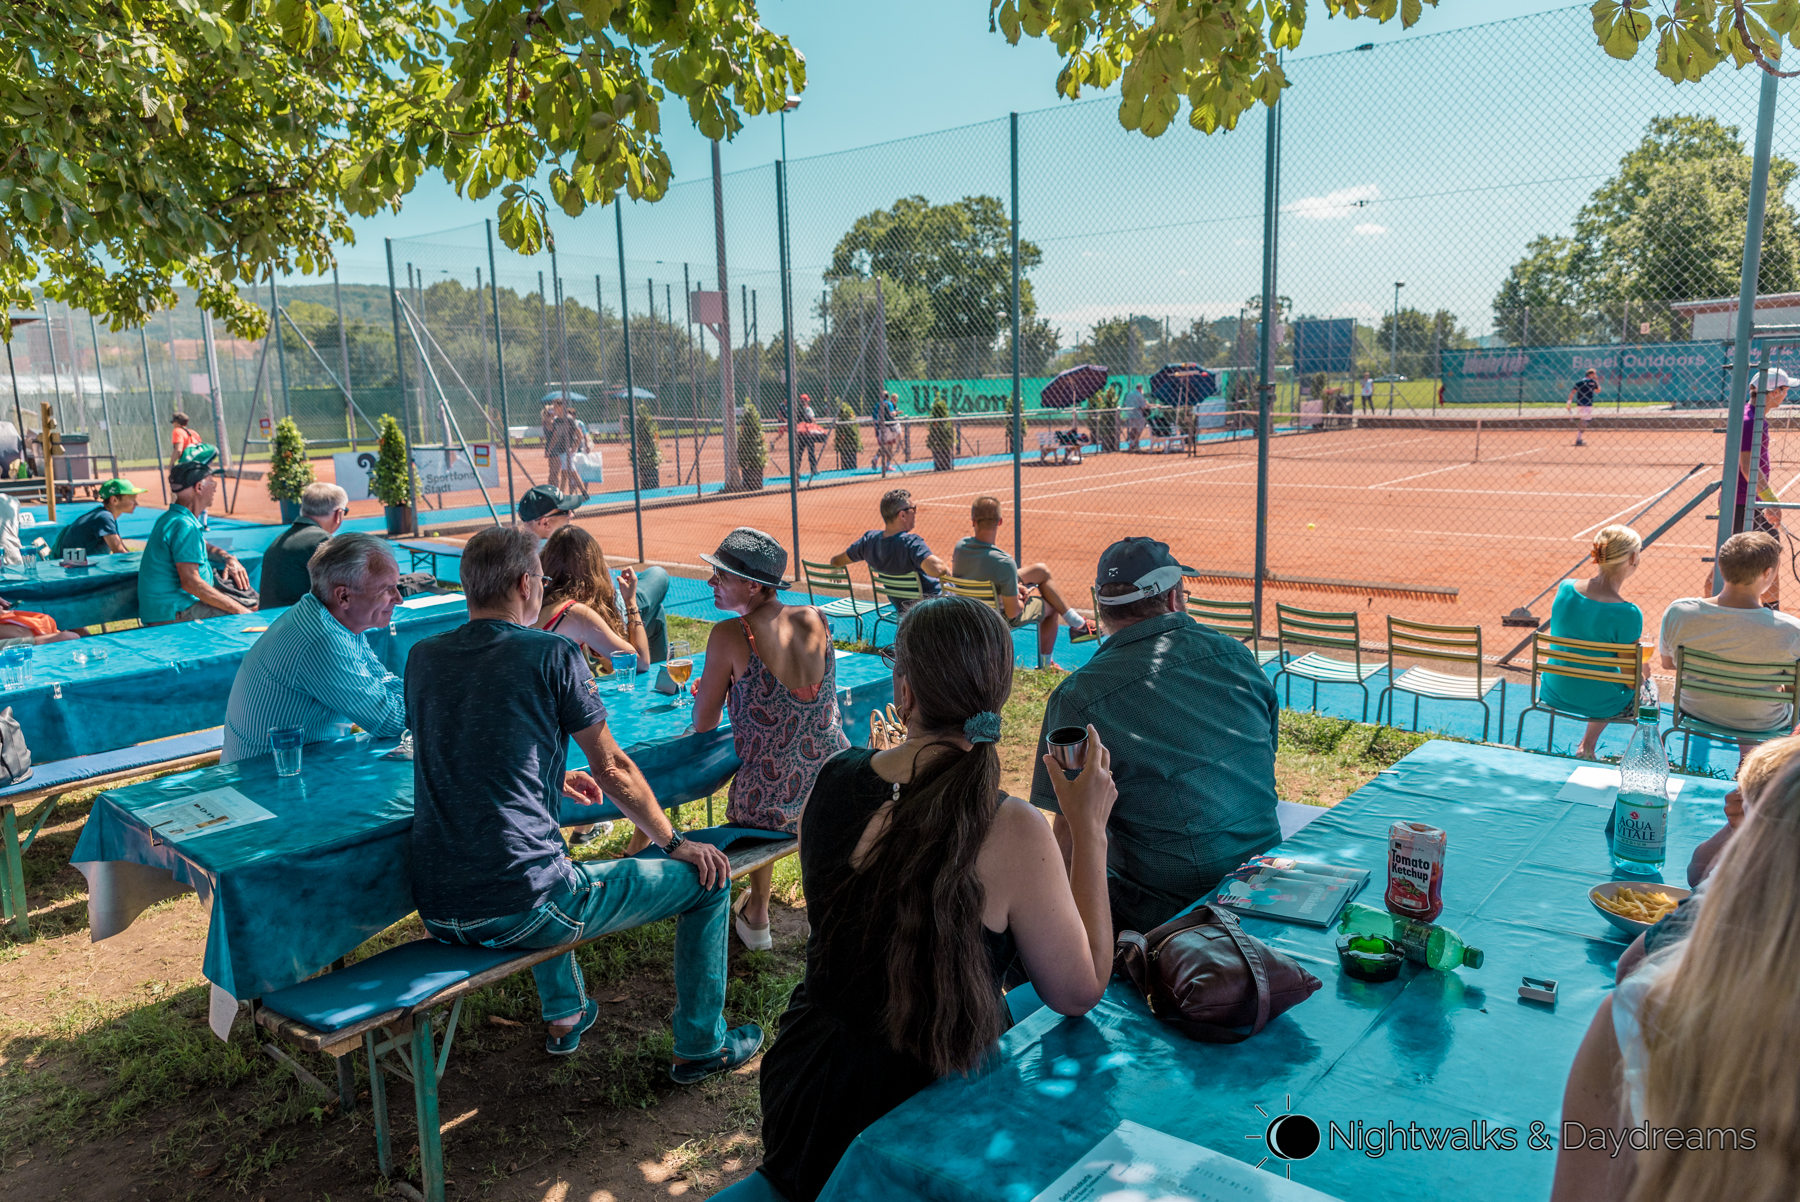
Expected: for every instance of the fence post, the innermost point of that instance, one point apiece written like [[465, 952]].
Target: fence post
[[637, 494], [1746, 316], [722, 335], [280, 351], [787, 344], [1265, 348], [1017, 399], [500, 368], [337, 300], [100, 383], [400, 370], [218, 395], [162, 481]]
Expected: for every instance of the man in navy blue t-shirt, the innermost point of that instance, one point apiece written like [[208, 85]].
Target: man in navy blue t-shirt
[[895, 550], [1581, 396], [492, 705]]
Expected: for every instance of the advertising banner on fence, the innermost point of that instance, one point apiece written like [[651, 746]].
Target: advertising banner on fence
[[439, 471], [1685, 375], [992, 395]]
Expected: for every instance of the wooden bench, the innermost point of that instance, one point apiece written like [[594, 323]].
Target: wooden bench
[[48, 782], [400, 988]]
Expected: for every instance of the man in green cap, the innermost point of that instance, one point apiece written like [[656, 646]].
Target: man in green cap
[[176, 577], [97, 530]]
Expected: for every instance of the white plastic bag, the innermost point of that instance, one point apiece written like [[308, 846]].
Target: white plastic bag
[[587, 467]]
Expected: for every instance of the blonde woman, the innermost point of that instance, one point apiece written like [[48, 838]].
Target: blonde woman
[[1704, 1037], [1593, 610]]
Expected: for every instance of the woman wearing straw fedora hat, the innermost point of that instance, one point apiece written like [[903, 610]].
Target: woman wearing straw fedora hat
[[775, 666]]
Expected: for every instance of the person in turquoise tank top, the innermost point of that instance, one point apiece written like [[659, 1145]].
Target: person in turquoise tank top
[[1594, 610]]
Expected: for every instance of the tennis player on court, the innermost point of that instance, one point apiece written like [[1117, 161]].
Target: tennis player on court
[[1766, 520], [1581, 397]]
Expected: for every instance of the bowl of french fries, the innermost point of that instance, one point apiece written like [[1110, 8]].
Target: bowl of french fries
[[1634, 906]]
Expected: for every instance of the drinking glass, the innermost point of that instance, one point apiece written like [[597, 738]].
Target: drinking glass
[[80, 658], [285, 742], [15, 665], [1068, 746], [625, 668], [681, 668], [98, 656]]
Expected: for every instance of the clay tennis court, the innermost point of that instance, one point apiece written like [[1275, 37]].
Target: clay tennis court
[[1393, 505]]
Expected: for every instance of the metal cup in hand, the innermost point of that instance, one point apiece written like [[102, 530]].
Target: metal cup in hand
[[1069, 747]]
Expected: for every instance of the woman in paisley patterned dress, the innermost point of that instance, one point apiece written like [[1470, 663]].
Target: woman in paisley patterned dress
[[775, 666]]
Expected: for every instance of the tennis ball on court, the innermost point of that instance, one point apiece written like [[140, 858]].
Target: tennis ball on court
[[1309, 525]]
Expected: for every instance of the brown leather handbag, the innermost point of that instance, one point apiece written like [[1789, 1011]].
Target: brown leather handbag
[[1202, 973]]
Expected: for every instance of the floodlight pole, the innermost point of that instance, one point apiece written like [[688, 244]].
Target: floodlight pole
[[787, 346], [1746, 319], [1017, 400], [1265, 349], [637, 493]]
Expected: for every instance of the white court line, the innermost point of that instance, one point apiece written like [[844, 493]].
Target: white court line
[[1363, 446], [1434, 471], [1043, 496], [1130, 471]]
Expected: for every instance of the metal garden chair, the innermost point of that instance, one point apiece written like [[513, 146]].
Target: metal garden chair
[[828, 579], [1236, 619], [1619, 664], [1445, 644], [1332, 631], [1703, 674], [892, 592]]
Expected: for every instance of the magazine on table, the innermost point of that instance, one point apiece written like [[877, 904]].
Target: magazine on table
[[1143, 1164], [1290, 890]]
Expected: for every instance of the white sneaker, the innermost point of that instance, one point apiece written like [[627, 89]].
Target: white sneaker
[[757, 939]]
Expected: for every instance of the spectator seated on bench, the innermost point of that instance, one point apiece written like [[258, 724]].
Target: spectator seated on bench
[[384, 1004], [489, 864], [1064, 446]]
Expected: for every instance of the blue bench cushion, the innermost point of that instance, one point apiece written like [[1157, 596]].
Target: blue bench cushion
[[397, 978], [721, 837], [76, 769]]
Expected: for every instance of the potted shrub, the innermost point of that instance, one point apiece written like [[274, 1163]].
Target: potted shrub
[[390, 482], [289, 469], [940, 439], [752, 453], [1103, 419], [649, 452], [846, 439]]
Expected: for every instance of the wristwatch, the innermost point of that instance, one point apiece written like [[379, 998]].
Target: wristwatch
[[675, 841]]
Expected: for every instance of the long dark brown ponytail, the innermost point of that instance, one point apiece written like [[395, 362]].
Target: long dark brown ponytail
[[943, 1007]]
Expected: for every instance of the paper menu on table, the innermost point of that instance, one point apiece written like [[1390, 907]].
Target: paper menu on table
[[205, 813], [425, 600], [1598, 785], [1145, 1165]]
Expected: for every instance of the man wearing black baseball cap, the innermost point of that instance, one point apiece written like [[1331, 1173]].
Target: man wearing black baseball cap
[[1191, 721], [545, 508], [179, 575]]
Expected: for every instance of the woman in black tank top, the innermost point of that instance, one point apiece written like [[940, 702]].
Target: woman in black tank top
[[923, 882]]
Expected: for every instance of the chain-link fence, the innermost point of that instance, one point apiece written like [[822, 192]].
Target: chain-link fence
[[1468, 223]]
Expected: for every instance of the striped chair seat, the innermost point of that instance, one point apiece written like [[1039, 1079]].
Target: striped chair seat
[[1322, 668], [1444, 686]]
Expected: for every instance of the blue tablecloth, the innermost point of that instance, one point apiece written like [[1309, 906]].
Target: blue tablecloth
[[104, 591], [166, 680], [289, 895], [1441, 1049]]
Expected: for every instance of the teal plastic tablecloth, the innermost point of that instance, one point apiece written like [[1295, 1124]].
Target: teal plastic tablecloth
[[104, 591], [160, 681], [289, 895], [1439, 1049]]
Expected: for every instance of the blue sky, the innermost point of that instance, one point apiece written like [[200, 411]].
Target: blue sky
[[1431, 160]]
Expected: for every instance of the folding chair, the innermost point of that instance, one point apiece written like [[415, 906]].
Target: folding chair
[[1619, 664], [892, 592], [1092, 631], [984, 591], [825, 578], [1702, 674], [1447, 644], [1237, 619], [1320, 628]]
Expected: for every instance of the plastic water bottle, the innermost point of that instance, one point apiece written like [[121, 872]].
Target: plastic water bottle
[[1640, 822], [1423, 942]]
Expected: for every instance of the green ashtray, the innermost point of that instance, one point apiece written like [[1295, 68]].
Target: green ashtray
[[1370, 957]]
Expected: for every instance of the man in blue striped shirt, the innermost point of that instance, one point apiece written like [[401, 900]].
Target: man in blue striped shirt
[[313, 669]]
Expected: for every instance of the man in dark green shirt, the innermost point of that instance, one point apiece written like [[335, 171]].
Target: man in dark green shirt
[[1191, 723], [323, 508]]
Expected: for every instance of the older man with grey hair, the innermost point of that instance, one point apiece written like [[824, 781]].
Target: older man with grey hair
[[313, 669], [323, 508]]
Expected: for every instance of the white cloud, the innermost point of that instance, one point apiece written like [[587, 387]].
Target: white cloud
[[1345, 202], [1369, 230]]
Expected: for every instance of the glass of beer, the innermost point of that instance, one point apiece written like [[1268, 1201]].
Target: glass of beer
[[681, 668]]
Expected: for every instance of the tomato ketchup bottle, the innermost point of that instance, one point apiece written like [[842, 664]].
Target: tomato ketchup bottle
[[1415, 887]]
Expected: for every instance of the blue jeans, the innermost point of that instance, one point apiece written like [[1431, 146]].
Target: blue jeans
[[616, 895], [653, 587]]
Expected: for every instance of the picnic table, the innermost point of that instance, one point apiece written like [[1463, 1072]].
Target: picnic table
[[160, 681], [1440, 1049], [290, 894], [103, 591]]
